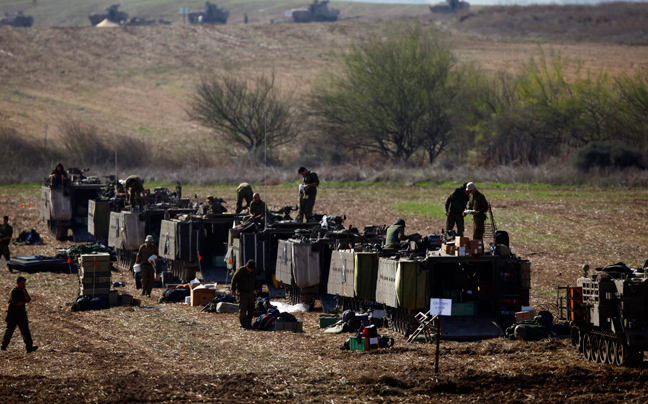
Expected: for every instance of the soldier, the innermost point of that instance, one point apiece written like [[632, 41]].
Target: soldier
[[307, 194], [395, 234], [6, 231], [479, 206], [58, 176], [243, 192], [147, 250], [245, 288], [454, 209], [135, 189], [257, 207], [17, 316], [215, 207]]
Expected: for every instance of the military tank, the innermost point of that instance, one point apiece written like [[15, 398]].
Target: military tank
[[319, 11], [112, 14], [211, 15], [451, 6], [609, 316], [18, 20]]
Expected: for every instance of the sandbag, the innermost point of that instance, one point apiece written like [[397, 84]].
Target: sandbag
[[224, 307]]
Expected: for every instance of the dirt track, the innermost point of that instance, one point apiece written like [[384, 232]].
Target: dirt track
[[171, 352]]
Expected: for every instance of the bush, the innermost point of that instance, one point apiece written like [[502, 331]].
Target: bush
[[606, 154]]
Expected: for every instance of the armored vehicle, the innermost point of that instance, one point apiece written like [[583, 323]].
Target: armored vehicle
[[316, 12], [18, 20], [112, 14], [66, 207], [211, 15], [451, 6], [609, 316]]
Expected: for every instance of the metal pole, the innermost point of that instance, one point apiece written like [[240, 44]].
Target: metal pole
[[438, 339]]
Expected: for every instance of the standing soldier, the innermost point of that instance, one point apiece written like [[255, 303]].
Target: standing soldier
[[307, 194], [479, 207], [6, 231], [454, 209], [243, 192], [215, 207], [135, 190], [147, 250], [17, 316], [245, 288]]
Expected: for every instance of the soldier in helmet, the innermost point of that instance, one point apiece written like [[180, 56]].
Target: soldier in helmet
[[479, 206], [396, 234], [245, 288], [58, 176], [454, 209], [307, 193], [243, 193], [215, 207]]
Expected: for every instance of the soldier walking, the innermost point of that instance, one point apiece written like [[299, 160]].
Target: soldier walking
[[244, 288], [147, 250], [307, 194], [17, 316]]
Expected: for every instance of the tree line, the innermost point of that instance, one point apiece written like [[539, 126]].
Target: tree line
[[402, 96]]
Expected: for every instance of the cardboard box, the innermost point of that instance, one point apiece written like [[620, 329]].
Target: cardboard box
[[448, 249], [476, 247], [461, 241], [524, 315], [200, 297], [461, 252]]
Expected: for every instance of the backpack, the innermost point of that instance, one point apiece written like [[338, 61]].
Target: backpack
[[348, 315], [82, 303], [265, 322], [262, 305], [98, 303], [287, 317]]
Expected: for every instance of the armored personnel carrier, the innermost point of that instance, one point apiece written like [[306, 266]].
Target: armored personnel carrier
[[319, 11], [18, 20], [112, 14], [211, 15], [66, 207], [608, 314]]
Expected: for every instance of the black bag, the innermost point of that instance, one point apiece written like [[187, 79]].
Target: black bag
[[502, 237], [287, 317], [82, 303]]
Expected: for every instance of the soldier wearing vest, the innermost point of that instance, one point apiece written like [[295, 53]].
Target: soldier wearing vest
[[6, 232], [135, 190], [245, 289], [454, 209], [395, 234], [147, 250], [307, 194], [243, 193], [17, 316], [215, 208], [478, 204]]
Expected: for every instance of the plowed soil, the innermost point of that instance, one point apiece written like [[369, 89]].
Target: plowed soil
[[173, 353]]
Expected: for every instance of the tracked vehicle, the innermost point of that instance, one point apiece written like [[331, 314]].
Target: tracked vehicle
[[608, 314]]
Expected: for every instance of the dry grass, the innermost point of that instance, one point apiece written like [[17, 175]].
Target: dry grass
[[171, 352]]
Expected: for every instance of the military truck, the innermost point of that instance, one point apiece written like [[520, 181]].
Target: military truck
[[319, 11], [112, 14], [451, 6], [211, 15], [608, 314], [66, 207], [18, 20]]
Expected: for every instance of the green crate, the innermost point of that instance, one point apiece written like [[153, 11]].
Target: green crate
[[326, 320], [464, 309], [355, 346]]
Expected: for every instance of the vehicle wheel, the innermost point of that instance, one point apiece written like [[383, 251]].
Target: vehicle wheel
[[587, 347], [604, 350], [614, 349], [621, 354], [595, 341]]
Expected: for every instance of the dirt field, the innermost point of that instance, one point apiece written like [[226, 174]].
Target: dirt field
[[173, 353]]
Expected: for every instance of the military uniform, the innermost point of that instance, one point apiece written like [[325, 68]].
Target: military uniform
[[5, 231], [455, 206], [216, 208], [243, 192], [56, 178], [148, 272], [478, 203], [395, 235], [136, 187], [17, 316], [257, 208], [307, 197], [244, 284]]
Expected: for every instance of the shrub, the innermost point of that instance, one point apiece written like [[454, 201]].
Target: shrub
[[606, 154]]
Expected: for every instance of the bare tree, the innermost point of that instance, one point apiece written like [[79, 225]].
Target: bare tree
[[244, 112]]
